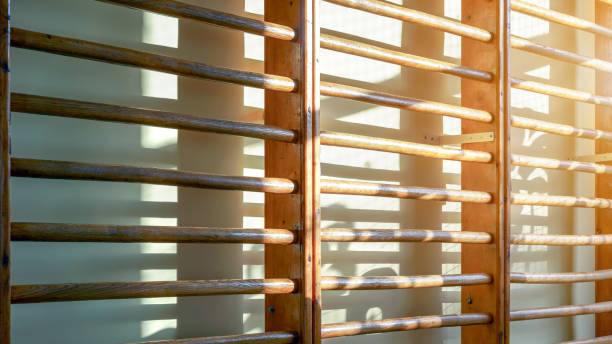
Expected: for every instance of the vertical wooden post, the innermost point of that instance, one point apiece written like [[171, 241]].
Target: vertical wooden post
[[491, 15], [603, 183], [295, 111], [5, 288]]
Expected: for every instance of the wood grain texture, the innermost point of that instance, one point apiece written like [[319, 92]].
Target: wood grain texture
[[603, 183], [69, 232], [561, 201], [561, 240], [560, 277], [104, 112], [567, 165], [403, 235], [493, 217], [5, 172], [106, 53], [401, 282], [252, 338], [33, 168], [561, 92], [560, 129], [560, 311]]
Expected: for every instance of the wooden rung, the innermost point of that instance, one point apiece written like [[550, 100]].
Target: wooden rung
[[560, 277], [568, 165], [252, 338], [560, 311], [401, 58], [405, 103], [401, 282], [560, 18], [413, 16], [403, 147], [68, 232], [104, 112], [83, 171], [185, 11], [561, 240], [561, 201], [561, 55], [106, 53], [597, 340], [346, 187], [402, 235], [402, 324], [559, 129], [126, 290], [561, 92]]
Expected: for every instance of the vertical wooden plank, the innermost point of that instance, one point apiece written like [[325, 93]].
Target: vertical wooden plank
[[493, 16], [294, 111], [5, 297], [316, 169], [603, 183]]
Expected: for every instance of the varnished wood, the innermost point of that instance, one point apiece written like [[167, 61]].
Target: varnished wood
[[403, 324], [252, 338], [561, 201], [69, 232], [568, 165], [560, 277], [126, 290], [106, 53], [401, 102], [33, 168], [5, 171], [561, 92], [560, 129], [186, 11], [597, 340], [401, 282], [560, 311], [561, 240], [104, 112], [403, 235]]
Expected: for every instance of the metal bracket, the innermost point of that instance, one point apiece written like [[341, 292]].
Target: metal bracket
[[451, 140], [595, 158]]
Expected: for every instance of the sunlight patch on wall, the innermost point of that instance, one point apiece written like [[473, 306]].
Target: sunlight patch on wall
[[161, 30], [360, 202], [522, 99], [254, 6], [531, 136], [379, 116], [542, 72], [250, 196], [158, 193], [356, 67], [451, 166], [374, 313], [152, 327], [363, 158], [253, 47], [527, 26], [253, 147], [159, 85], [156, 137], [254, 97], [452, 43], [331, 316]]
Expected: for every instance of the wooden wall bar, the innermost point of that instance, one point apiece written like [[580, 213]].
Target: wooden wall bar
[[494, 217], [5, 173], [603, 183], [277, 337]]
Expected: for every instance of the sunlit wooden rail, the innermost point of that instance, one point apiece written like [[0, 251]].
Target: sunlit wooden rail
[[401, 282], [560, 277], [276, 337], [561, 201], [561, 240], [560, 311], [560, 129], [403, 235]]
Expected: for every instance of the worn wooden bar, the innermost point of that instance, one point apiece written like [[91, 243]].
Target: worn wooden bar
[[69, 232], [560, 311], [560, 18], [5, 172], [401, 282], [277, 337], [561, 201], [104, 112], [568, 165], [34, 168], [331, 138], [561, 92], [186, 11], [401, 58], [561, 240], [603, 183], [403, 235], [413, 16], [127, 290], [559, 54], [493, 217], [334, 186], [403, 324], [559, 129], [560, 277], [106, 53], [401, 102], [605, 339]]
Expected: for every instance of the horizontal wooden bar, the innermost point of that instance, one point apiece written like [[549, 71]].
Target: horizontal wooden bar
[[186, 11], [560, 277], [402, 324], [604, 339], [602, 157], [413, 16], [403, 147], [112, 113], [403, 235], [251, 338], [68, 232], [83, 171], [559, 129], [560, 311], [560, 18], [561, 201], [561, 92], [401, 282], [561, 240], [405, 103], [568, 165], [106, 53], [412, 192], [126, 290], [401, 58], [561, 55]]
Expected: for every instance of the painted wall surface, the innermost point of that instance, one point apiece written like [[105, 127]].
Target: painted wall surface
[[115, 203]]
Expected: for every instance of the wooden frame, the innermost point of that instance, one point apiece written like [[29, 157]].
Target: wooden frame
[[5, 144]]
